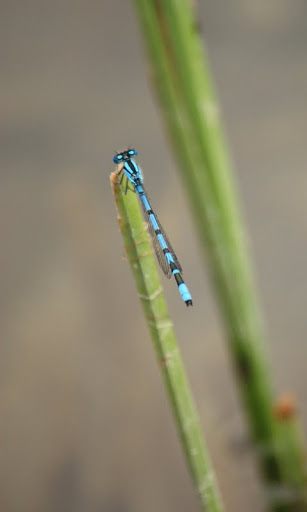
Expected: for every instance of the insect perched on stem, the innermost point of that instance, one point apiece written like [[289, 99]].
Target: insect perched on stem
[[166, 256]]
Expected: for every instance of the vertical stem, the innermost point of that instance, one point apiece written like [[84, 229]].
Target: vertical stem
[[150, 291]]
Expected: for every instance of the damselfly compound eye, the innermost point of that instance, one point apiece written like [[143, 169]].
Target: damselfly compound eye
[[117, 158]]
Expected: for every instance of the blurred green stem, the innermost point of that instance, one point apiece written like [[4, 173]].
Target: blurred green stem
[[144, 269], [183, 86]]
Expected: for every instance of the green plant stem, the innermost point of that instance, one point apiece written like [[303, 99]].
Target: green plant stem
[[143, 266], [185, 93]]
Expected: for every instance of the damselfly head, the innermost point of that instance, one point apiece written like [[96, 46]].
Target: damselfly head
[[124, 155]]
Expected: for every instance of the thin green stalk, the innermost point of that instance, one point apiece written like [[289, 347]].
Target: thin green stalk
[[144, 269], [182, 82]]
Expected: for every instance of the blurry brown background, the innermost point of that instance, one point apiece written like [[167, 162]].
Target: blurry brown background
[[85, 424]]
